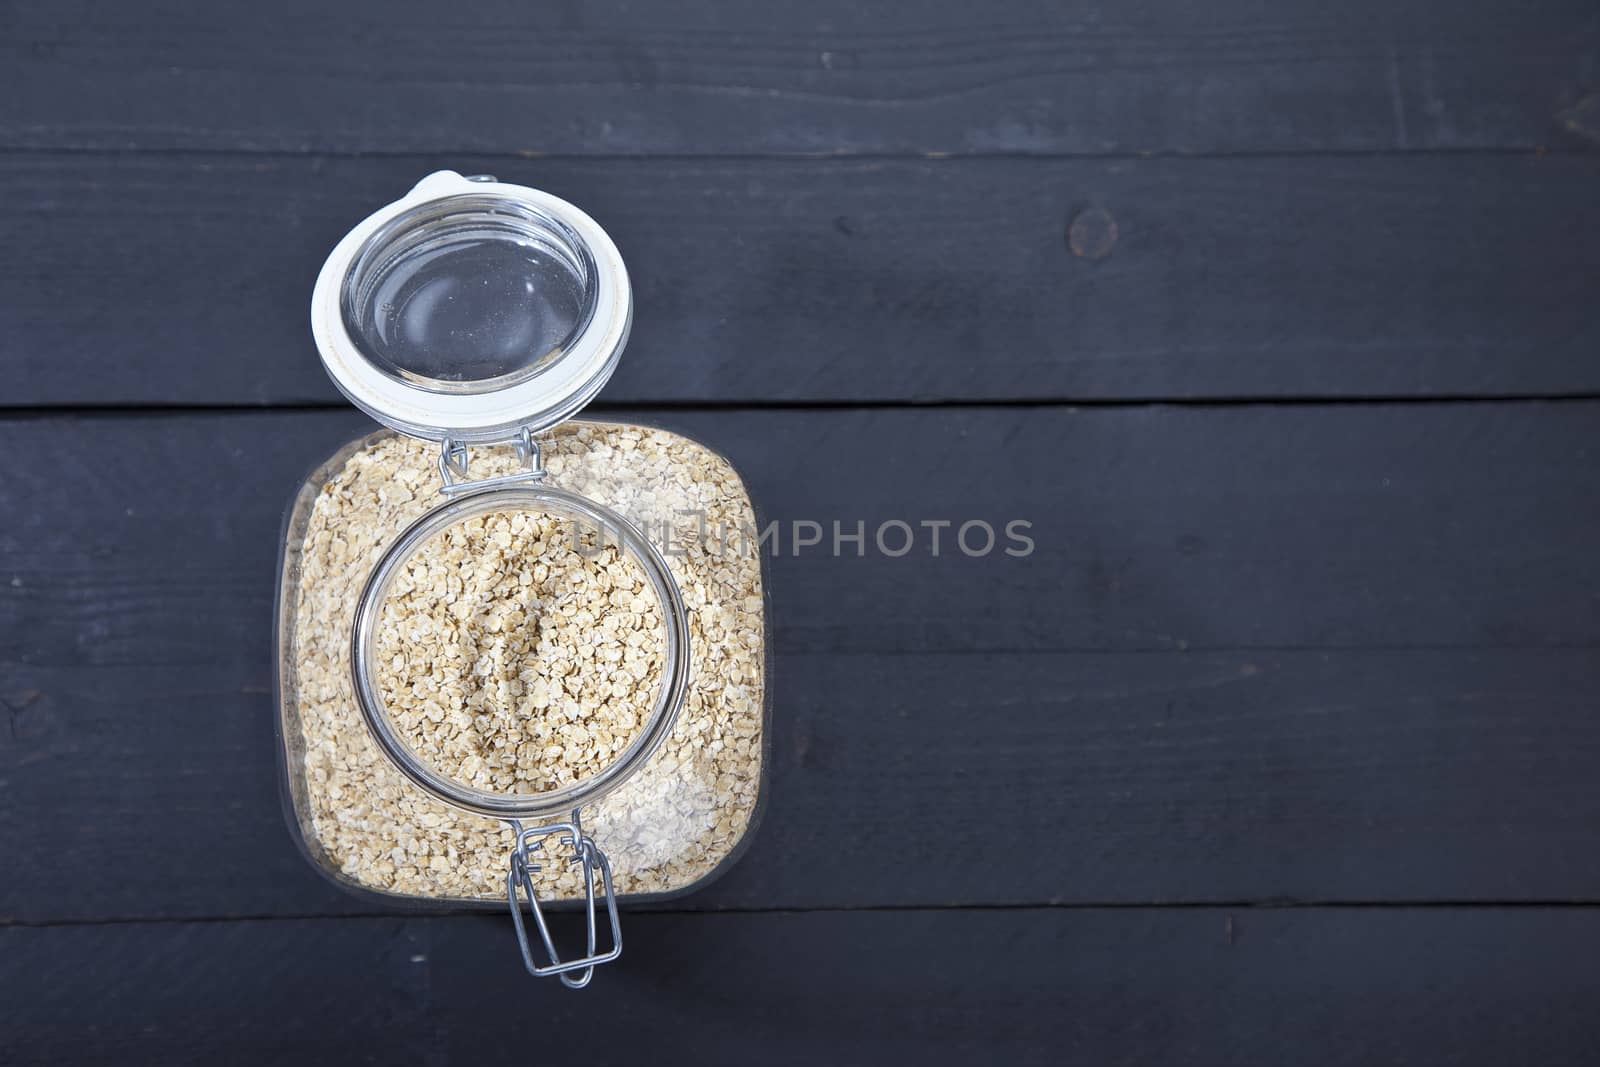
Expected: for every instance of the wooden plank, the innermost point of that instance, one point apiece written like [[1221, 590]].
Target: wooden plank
[[1479, 986], [921, 779], [691, 77], [1371, 628], [850, 281]]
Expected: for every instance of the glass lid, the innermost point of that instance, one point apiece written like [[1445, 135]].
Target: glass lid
[[472, 309]]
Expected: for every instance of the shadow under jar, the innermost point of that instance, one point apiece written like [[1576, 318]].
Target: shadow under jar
[[522, 658]]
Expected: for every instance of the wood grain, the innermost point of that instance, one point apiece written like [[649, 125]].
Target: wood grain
[[1093, 987], [829, 77], [1310, 653], [185, 279]]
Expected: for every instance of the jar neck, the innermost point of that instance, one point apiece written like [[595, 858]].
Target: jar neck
[[555, 803]]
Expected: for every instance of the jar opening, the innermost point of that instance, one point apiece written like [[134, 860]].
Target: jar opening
[[469, 294], [520, 652]]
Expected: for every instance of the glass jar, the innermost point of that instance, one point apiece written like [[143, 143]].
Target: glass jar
[[474, 318]]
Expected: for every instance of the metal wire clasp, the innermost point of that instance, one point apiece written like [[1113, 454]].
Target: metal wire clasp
[[453, 462], [520, 876]]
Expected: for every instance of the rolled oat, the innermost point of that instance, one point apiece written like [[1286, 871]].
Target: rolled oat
[[518, 653]]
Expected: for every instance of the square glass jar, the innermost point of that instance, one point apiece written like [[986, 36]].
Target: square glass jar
[[678, 821]]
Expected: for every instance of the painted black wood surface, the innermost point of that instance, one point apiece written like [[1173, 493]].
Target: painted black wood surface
[[698, 77], [1036, 986], [763, 281], [1277, 321]]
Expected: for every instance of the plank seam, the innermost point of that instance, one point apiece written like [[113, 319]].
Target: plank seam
[[400, 912], [24, 412], [1537, 149]]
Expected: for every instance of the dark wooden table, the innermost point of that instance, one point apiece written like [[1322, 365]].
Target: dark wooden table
[[1279, 321]]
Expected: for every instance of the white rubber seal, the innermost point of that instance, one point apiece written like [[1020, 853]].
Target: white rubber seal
[[554, 394]]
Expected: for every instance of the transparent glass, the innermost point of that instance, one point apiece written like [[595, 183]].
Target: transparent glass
[[469, 294], [680, 817], [580, 522]]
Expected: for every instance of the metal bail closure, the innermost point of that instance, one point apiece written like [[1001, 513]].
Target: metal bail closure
[[453, 463], [574, 974]]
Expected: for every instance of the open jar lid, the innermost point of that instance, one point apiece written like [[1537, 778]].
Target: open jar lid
[[471, 310]]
